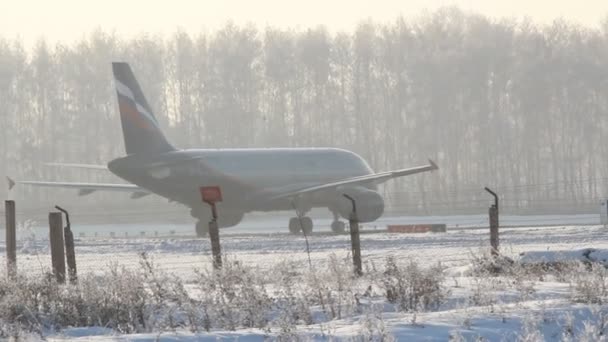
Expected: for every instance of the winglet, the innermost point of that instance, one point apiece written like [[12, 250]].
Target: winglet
[[433, 165], [11, 183]]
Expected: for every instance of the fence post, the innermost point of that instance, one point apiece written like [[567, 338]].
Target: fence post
[[493, 212], [57, 245], [214, 235], [211, 195], [11, 239], [70, 254], [355, 240]]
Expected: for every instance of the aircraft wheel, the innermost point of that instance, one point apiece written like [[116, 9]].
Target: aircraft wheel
[[306, 225], [294, 225], [338, 227], [202, 229]]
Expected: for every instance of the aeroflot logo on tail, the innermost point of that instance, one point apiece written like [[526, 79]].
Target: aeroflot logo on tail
[[134, 112]]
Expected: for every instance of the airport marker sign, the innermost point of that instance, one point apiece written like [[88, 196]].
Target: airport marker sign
[[211, 194]]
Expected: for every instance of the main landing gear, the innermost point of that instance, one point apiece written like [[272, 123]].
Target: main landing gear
[[338, 227], [297, 224], [304, 223]]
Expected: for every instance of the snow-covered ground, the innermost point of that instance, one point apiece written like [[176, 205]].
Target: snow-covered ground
[[543, 306], [266, 224], [181, 254]]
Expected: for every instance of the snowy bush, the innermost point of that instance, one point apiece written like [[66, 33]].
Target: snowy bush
[[147, 299], [23, 301], [491, 275], [413, 288], [483, 290], [124, 300], [332, 288], [293, 305], [117, 300], [170, 304], [234, 296], [373, 328], [589, 284], [485, 264]]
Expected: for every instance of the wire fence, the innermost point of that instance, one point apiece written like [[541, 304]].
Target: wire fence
[[182, 254], [264, 242]]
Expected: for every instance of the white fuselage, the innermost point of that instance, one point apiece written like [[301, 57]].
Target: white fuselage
[[246, 176]]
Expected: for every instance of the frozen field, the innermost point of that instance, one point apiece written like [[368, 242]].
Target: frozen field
[[505, 318]]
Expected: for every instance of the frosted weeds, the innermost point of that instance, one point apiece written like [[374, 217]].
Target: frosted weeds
[[286, 300], [235, 297]]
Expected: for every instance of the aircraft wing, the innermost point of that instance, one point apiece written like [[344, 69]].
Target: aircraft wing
[[86, 188], [376, 178]]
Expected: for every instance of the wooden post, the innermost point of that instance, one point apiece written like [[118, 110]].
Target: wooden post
[[211, 195], [494, 242], [69, 247], [493, 212], [11, 238], [57, 245], [356, 246], [214, 236], [355, 240], [70, 254]]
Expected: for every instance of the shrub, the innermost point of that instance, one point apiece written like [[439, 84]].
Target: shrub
[[117, 300], [124, 300], [332, 288], [589, 284], [291, 301], [234, 296], [413, 288]]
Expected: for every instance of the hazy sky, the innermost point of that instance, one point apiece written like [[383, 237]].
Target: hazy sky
[[69, 20]]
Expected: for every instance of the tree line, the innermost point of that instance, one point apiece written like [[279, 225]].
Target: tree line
[[505, 103]]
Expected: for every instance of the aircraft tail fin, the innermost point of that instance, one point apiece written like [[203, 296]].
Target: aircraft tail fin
[[140, 128], [11, 183]]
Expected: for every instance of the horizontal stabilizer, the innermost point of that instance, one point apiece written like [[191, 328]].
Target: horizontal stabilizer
[[86, 188], [79, 166]]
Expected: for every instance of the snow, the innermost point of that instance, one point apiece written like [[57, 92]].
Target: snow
[[583, 255], [92, 334], [471, 323], [508, 313]]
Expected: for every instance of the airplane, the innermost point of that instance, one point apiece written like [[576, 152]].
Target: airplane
[[250, 179]]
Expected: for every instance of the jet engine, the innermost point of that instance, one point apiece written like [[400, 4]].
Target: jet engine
[[225, 218], [370, 205], [229, 219]]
